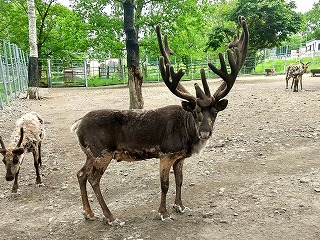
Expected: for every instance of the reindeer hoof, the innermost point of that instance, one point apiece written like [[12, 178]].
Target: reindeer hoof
[[89, 217], [15, 194], [167, 219], [181, 209], [40, 184], [116, 222]]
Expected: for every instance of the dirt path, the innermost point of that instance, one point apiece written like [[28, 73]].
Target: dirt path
[[259, 177]]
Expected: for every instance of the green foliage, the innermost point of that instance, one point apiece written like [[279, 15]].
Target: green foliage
[[96, 81], [312, 19], [105, 27], [65, 35], [14, 24], [223, 26], [270, 22], [60, 32]]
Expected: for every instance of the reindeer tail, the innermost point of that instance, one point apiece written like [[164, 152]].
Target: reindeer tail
[[75, 125]]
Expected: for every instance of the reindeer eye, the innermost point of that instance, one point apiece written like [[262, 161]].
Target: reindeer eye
[[15, 160], [213, 111]]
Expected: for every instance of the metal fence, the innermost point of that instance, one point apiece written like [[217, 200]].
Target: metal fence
[[62, 73], [87, 73], [13, 72], [59, 73]]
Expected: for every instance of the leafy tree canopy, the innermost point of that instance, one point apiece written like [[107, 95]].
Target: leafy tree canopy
[[312, 19], [61, 33], [271, 21]]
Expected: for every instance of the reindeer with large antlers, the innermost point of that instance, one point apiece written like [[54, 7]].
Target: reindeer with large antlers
[[171, 133]]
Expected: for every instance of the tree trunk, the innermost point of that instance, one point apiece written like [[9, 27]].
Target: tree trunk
[[135, 77], [33, 71]]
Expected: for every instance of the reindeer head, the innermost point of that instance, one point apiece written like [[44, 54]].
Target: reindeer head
[[204, 106], [304, 66], [12, 158]]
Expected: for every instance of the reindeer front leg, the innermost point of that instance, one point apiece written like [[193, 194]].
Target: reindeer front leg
[[15, 183], [178, 174], [165, 164]]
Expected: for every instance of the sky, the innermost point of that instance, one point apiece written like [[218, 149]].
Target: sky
[[302, 5]]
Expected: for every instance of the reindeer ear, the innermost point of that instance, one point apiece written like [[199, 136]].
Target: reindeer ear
[[18, 151], [221, 105], [188, 106]]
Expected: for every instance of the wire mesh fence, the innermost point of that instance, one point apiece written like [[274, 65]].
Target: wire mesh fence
[[60, 73], [112, 71], [13, 72]]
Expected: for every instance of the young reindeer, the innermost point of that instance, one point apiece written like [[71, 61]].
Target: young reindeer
[[295, 72], [26, 137], [171, 133]]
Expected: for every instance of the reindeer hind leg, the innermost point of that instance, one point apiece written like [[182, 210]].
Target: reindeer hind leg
[[98, 168], [36, 164], [39, 154], [82, 176]]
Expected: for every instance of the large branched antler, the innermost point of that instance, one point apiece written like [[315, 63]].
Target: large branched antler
[[21, 137], [236, 60], [167, 70]]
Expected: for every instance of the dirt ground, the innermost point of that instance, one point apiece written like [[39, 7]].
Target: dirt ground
[[258, 178]]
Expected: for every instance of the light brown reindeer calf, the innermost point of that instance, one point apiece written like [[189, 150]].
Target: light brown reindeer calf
[[26, 137], [295, 72]]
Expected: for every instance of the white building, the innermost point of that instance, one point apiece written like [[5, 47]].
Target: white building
[[311, 47]]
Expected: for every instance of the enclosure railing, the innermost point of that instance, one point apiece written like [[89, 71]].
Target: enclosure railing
[[87, 73], [13, 72], [64, 73]]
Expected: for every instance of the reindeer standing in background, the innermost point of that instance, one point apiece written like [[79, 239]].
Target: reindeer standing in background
[[295, 72], [171, 133]]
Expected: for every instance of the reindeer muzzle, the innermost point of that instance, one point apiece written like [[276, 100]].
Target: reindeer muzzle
[[9, 177], [205, 134]]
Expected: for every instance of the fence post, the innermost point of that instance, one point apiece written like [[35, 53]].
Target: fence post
[[18, 67], [191, 67], [49, 73], [25, 69], [4, 82], [13, 70], [85, 72], [8, 78]]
